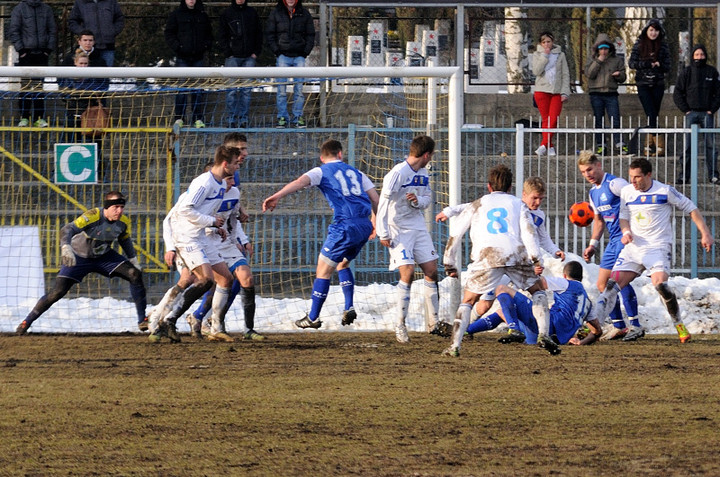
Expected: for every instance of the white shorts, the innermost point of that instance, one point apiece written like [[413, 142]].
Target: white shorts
[[196, 251], [638, 259], [231, 254], [411, 247], [485, 281]]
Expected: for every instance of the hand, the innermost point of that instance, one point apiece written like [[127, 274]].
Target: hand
[[243, 217], [170, 259], [248, 250], [588, 253], [564, 97], [135, 262], [627, 238], [386, 243], [441, 217], [450, 271], [67, 256], [560, 254], [269, 204], [574, 341], [412, 198], [615, 73], [373, 234], [707, 242], [219, 221], [222, 233], [538, 269]]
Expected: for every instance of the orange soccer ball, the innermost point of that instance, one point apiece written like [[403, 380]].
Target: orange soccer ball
[[581, 214]]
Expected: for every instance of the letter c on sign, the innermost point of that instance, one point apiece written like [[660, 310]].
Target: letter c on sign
[[65, 163]]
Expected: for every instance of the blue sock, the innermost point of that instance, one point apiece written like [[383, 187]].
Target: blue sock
[[347, 284], [629, 299], [137, 291], [321, 286], [484, 323], [234, 290], [616, 316], [205, 305], [509, 310]]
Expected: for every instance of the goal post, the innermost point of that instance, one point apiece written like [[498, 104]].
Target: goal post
[[144, 158]]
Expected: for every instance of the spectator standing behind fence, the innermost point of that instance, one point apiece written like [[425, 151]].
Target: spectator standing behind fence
[[240, 37], [650, 58], [552, 87], [189, 34], [290, 35], [697, 95], [33, 33], [605, 71], [102, 17]]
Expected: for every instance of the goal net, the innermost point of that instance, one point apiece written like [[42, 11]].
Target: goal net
[[374, 112]]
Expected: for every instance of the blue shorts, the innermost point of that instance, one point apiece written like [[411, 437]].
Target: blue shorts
[[561, 325], [612, 250], [105, 264], [345, 239]]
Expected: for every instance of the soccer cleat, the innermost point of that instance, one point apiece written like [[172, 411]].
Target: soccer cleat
[[452, 352], [195, 326], [253, 335], [306, 322], [442, 329], [282, 123], [171, 332], [541, 151], [612, 333], [40, 123], [683, 333], [154, 337], [199, 124], [512, 336], [349, 316], [22, 328], [143, 325], [401, 334], [220, 336], [634, 334], [548, 345], [205, 327], [301, 123], [23, 123]]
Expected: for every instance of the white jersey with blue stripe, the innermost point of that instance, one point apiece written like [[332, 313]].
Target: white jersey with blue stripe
[[196, 208], [650, 213], [395, 213], [345, 188], [605, 201]]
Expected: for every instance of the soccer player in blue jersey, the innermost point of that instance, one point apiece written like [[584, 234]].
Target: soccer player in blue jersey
[[86, 247], [605, 201], [353, 198], [568, 313]]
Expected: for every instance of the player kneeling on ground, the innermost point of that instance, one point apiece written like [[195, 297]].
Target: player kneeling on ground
[[86, 247]]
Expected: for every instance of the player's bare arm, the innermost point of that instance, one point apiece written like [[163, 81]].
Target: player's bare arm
[[597, 232], [706, 239], [271, 202]]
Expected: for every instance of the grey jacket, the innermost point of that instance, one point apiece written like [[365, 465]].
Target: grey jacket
[[599, 73], [539, 60], [104, 19], [32, 27]]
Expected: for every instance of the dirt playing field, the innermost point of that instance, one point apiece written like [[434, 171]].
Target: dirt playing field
[[356, 404]]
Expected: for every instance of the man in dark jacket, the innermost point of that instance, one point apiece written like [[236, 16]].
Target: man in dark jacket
[[33, 33], [240, 37], [102, 17], [290, 35], [697, 94], [189, 34]]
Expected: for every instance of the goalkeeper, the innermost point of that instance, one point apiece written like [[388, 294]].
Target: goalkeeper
[[86, 247]]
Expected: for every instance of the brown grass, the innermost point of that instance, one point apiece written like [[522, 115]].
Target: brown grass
[[356, 404]]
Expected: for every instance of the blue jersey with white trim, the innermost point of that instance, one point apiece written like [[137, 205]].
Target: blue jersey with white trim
[[344, 188], [605, 201]]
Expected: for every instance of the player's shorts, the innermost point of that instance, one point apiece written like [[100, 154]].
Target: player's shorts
[[232, 255], [197, 251], [637, 259], [105, 264], [411, 247], [345, 239], [612, 251], [486, 280], [562, 325]]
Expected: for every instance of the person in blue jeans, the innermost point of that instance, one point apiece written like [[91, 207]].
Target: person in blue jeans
[[605, 71], [697, 95], [290, 35], [188, 33], [240, 36]]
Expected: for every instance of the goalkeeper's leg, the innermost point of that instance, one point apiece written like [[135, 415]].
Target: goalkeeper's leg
[[62, 286]]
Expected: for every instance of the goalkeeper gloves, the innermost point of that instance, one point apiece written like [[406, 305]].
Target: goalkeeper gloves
[[135, 262], [67, 256]]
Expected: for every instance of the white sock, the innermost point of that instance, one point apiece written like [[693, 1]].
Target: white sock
[[541, 312], [403, 293], [219, 301], [164, 307], [431, 304], [462, 320]]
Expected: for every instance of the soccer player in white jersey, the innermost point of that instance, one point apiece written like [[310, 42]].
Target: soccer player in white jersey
[[401, 227], [646, 207], [353, 198], [533, 194], [504, 243], [189, 218]]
